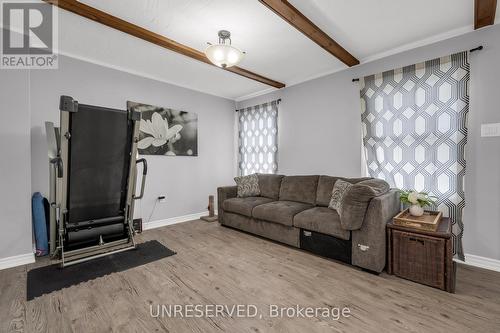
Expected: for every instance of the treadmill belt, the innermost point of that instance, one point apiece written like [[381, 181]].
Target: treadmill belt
[[98, 163], [47, 279]]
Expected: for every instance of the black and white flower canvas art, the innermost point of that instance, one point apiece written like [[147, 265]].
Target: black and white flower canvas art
[[165, 131]]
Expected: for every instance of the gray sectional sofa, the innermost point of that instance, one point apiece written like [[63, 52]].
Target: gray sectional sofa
[[294, 210]]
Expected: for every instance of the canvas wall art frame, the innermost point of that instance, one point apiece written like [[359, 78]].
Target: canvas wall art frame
[[165, 131]]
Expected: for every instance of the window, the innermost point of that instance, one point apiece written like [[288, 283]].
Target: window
[[258, 139]]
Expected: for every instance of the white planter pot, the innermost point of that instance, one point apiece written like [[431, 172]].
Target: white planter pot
[[416, 210]]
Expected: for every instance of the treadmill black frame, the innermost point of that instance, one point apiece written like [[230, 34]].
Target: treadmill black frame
[[60, 204]]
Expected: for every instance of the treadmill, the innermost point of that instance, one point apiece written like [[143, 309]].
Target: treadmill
[[93, 172]]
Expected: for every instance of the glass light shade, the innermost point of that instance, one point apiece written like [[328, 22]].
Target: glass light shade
[[223, 55]]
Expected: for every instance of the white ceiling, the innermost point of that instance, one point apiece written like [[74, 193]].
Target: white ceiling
[[366, 28], [369, 28]]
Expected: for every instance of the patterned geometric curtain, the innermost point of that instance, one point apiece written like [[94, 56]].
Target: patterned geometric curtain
[[414, 123], [258, 139]]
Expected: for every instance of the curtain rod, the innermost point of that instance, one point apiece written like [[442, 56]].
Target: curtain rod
[[277, 102], [479, 48]]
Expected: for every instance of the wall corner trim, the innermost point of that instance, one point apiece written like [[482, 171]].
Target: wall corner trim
[[481, 262], [22, 259], [172, 220]]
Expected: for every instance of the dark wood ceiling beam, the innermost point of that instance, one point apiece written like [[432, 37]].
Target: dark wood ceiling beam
[[149, 36], [484, 13], [299, 21]]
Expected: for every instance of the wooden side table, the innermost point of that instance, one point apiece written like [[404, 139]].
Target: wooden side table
[[422, 256]]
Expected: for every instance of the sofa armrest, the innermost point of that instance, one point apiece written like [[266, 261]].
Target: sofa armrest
[[224, 193], [369, 242]]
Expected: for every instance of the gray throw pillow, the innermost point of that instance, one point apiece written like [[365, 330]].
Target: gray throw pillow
[[248, 186], [340, 189]]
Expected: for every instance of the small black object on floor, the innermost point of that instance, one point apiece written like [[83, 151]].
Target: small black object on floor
[[44, 280]]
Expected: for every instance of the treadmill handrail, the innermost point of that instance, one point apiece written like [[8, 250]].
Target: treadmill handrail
[[144, 173]]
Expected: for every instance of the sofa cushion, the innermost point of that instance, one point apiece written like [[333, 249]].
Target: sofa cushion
[[324, 192], [244, 206], [248, 186], [278, 232], [323, 220], [279, 211], [299, 188], [270, 185], [356, 201], [325, 188]]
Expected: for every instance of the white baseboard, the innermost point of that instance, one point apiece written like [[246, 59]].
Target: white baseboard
[[481, 262], [22, 259], [172, 220], [29, 258]]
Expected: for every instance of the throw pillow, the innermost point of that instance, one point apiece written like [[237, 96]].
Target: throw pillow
[[248, 186], [339, 191]]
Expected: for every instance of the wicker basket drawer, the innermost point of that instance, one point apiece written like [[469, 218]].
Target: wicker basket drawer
[[419, 258]]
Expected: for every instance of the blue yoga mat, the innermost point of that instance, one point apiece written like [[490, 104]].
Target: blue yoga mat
[[39, 224]]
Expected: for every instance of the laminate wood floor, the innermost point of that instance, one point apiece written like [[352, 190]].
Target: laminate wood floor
[[218, 265]]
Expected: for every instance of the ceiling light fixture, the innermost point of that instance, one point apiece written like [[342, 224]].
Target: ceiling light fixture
[[224, 54]]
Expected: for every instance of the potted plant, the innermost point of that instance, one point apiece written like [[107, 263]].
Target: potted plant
[[416, 200]]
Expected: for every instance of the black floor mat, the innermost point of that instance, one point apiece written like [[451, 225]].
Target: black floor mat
[[44, 280]]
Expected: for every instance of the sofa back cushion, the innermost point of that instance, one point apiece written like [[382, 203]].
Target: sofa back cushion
[[325, 188], [270, 185], [356, 200], [299, 188]]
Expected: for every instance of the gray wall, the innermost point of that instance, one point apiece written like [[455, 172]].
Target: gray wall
[[15, 194], [187, 181], [29, 98], [317, 130], [320, 129]]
